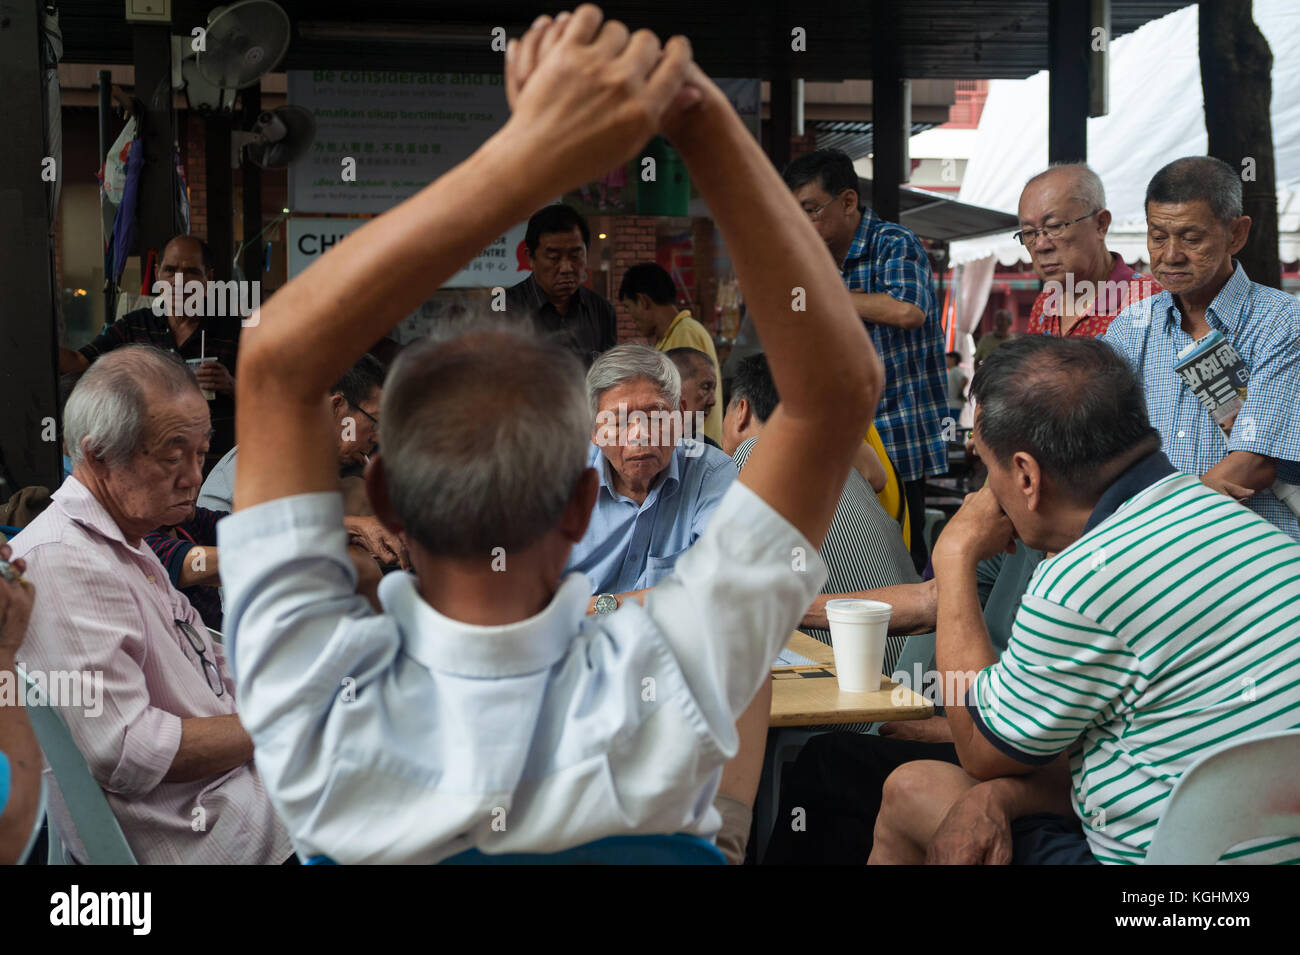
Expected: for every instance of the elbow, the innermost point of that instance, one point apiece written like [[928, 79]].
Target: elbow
[[1266, 474], [255, 365], [910, 316], [982, 769]]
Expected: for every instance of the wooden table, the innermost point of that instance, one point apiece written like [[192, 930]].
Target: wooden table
[[811, 695]]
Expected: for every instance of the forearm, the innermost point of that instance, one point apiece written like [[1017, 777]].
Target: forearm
[[915, 607], [18, 743], [962, 649], [1046, 789], [210, 746], [780, 259], [199, 567], [883, 309], [1245, 468]]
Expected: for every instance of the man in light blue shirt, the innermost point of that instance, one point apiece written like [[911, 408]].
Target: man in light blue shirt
[[656, 492], [1194, 227]]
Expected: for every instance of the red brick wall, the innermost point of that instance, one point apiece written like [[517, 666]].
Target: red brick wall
[[193, 149], [633, 239]]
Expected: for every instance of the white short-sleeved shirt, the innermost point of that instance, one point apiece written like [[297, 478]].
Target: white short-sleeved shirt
[[407, 736]]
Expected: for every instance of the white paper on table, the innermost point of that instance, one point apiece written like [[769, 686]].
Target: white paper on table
[[789, 658]]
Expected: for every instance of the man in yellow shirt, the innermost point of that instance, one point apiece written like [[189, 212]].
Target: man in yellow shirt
[[648, 293]]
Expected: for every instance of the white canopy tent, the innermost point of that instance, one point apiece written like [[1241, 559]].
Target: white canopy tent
[[1156, 115]]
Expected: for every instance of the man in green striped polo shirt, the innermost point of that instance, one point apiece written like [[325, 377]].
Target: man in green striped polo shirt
[[1165, 627]]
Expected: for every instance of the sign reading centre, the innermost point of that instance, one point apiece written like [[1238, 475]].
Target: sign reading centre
[[383, 135], [501, 263]]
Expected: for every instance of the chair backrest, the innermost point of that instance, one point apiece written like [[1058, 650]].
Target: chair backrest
[[97, 828], [1246, 790], [678, 849]]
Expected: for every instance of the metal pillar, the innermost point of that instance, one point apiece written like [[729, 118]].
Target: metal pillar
[[155, 213], [1068, 45], [29, 449], [221, 194], [254, 252], [888, 109], [780, 118]]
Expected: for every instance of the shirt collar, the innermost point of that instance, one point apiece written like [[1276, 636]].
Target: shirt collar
[[1227, 310], [861, 238], [441, 644], [1138, 477], [1229, 306], [82, 507], [540, 301], [677, 320], [1120, 271]]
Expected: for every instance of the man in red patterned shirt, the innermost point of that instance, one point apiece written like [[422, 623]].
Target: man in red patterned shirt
[[1063, 224]]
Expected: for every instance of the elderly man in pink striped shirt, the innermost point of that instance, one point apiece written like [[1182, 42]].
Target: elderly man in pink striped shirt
[[166, 744]]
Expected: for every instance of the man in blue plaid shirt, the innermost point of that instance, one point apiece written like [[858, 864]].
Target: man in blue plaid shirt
[[1194, 227], [888, 275]]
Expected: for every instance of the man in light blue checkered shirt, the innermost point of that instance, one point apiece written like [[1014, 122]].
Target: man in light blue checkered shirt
[[1194, 227], [887, 272]]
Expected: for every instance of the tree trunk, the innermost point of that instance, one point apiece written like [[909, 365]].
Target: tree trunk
[[1236, 67]]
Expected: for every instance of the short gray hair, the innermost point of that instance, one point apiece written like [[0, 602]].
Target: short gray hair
[[109, 405], [485, 437], [624, 363], [1086, 187], [1198, 178]]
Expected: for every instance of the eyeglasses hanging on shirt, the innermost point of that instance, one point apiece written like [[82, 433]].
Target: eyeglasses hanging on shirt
[[210, 671]]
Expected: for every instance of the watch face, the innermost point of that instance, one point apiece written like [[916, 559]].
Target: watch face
[[606, 603]]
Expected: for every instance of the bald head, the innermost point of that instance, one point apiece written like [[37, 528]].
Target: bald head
[[1069, 200], [1077, 181], [699, 380]]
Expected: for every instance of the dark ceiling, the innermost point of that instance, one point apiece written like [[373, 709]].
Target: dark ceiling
[[947, 39]]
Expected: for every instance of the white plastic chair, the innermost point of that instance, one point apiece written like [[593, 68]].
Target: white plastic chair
[[1248, 790]]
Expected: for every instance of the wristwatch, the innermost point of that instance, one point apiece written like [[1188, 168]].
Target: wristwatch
[[606, 603]]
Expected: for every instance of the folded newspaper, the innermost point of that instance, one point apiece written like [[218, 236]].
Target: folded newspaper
[[1217, 375]]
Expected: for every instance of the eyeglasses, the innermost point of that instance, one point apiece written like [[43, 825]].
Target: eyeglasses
[[373, 419], [1054, 231], [816, 212], [207, 666]]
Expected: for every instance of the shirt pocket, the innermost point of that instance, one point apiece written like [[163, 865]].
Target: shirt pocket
[[657, 568]]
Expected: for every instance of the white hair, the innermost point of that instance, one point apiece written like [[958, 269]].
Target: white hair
[[625, 363], [107, 413]]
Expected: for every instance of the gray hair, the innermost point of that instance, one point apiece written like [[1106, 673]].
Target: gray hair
[[485, 437], [109, 405], [1198, 178], [1086, 187], [624, 363]]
